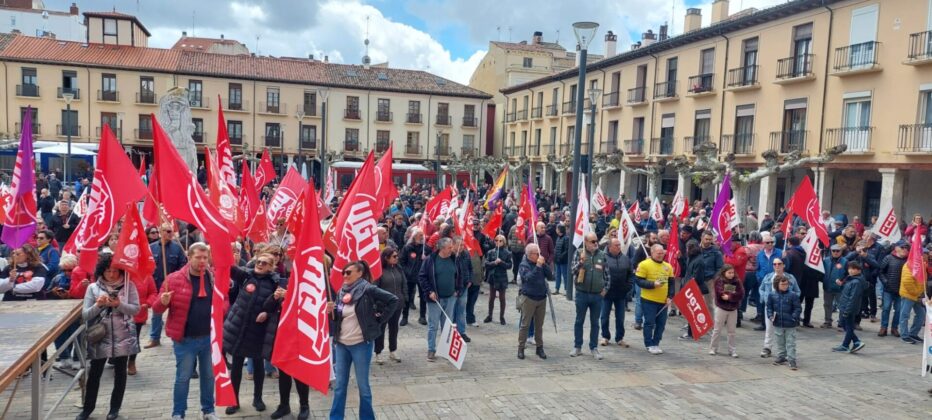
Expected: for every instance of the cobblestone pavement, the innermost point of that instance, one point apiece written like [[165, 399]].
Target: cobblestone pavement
[[685, 382]]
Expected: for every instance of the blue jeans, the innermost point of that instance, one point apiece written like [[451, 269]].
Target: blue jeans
[[919, 316], [848, 324], [560, 276], [359, 355], [155, 332], [619, 303], [459, 313], [655, 320], [751, 284], [186, 352], [890, 300], [592, 303], [65, 335], [435, 319], [638, 311]]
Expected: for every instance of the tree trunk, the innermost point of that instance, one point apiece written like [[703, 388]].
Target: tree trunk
[[653, 185], [739, 190]]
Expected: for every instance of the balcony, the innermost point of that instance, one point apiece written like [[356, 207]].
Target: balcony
[[920, 49], [382, 145], [308, 142], [857, 58], [634, 147], [350, 146], [27, 91], [470, 121], [75, 92], [199, 102], [36, 129], [789, 141], [273, 108], [553, 110], [701, 85], [510, 116], [661, 146], [66, 130], [442, 150], [569, 108], [272, 140], [237, 140], [665, 91], [469, 151], [566, 149], [412, 118], [146, 134], [351, 114], [146, 97], [309, 109], [198, 137], [235, 106], [412, 150], [521, 115], [637, 96], [795, 69], [915, 139], [533, 149], [743, 78], [610, 99], [858, 139], [536, 112], [608, 146], [383, 116], [108, 96], [692, 142], [117, 131], [738, 144], [443, 119]]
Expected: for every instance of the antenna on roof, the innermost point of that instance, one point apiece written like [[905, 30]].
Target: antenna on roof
[[365, 59], [499, 29], [558, 36], [257, 46], [193, 21], [509, 34]]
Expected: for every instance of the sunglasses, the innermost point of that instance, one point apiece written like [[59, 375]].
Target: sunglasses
[[768, 243], [591, 242], [393, 256], [67, 270], [347, 272], [277, 254], [263, 262], [834, 251], [154, 232]]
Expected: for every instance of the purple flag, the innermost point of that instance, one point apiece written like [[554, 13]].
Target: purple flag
[[20, 223], [723, 214]]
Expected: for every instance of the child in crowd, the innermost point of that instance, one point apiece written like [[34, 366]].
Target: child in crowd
[[849, 305], [783, 310]]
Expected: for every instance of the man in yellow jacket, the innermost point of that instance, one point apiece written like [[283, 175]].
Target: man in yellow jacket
[[911, 293]]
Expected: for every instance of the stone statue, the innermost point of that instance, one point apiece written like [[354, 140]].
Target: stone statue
[[175, 118]]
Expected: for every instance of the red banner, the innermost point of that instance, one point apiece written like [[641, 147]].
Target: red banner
[[265, 173], [673, 247], [691, 304], [355, 228], [385, 186], [286, 196], [132, 252], [495, 223], [805, 203]]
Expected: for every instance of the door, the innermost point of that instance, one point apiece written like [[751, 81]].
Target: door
[[802, 47], [856, 132], [750, 62], [862, 36], [871, 200], [794, 130], [924, 136]]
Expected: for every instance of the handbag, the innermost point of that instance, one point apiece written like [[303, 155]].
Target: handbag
[[96, 332]]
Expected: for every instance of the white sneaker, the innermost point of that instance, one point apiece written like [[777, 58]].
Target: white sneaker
[[712, 352], [211, 416], [576, 352], [653, 350], [63, 364], [378, 359], [734, 354], [659, 350], [394, 357], [474, 325], [603, 342], [597, 354]]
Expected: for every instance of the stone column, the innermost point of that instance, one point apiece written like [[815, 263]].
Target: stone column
[[891, 191], [622, 183], [544, 181], [768, 195], [824, 186], [684, 184]]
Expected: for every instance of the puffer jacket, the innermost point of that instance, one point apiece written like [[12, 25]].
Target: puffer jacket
[[835, 269], [784, 309], [180, 303], [891, 270], [850, 301], [372, 312], [562, 253], [120, 339], [621, 278], [393, 281], [766, 286], [909, 287], [242, 335], [148, 294]]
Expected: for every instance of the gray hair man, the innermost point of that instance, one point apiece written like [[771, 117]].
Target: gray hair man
[[591, 276], [441, 282], [534, 272]]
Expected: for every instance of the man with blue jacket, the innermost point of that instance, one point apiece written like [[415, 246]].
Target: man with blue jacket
[[534, 272], [836, 269]]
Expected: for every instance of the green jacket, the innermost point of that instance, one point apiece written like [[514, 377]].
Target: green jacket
[[596, 271]]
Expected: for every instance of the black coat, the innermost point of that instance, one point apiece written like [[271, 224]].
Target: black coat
[[393, 280], [621, 275], [890, 270], [808, 279], [411, 260], [695, 269], [242, 335], [372, 312], [57, 225]]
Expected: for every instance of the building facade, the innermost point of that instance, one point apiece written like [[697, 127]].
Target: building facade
[[31, 18], [269, 103], [802, 76]]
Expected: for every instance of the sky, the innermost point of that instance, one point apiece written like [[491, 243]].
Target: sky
[[445, 37]]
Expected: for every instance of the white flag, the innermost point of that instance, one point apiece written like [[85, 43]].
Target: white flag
[[598, 198], [927, 342], [451, 346], [679, 205], [813, 253], [304, 170], [330, 188], [656, 212], [887, 226], [581, 227], [626, 231]]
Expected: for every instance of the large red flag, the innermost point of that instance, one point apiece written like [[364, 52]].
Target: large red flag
[[691, 304], [302, 344], [330, 237], [296, 214], [439, 205], [111, 191], [469, 238], [495, 223], [805, 203], [635, 211], [152, 207], [183, 198], [914, 262], [673, 246], [132, 252], [323, 210], [221, 195], [248, 199], [355, 228], [265, 173], [259, 230], [386, 191], [142, 166], [286, 196], [525, 214]]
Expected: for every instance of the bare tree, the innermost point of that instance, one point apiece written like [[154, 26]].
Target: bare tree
[[604, 163]]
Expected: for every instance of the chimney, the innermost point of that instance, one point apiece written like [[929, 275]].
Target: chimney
[[310, 57], [73, 9], [537, 38], [326, 59], [648, 38], [635, 46], [719, 11], [663, 32], [693, 20], [221, 36], [184, 34], [610, 42]]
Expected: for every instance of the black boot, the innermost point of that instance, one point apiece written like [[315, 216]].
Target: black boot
[[258, 404], [521, 354], [487, 319], [281, 411], [541, 354], [305, 413], [404, 321], [83, 416]]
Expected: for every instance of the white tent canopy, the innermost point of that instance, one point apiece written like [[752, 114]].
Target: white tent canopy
[[61, 149]]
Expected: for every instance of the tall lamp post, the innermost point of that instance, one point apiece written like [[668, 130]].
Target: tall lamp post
[[120, 116], [594, 95], [324, 94], [439, 171], [584, 32], [68, 96], [299, 116]]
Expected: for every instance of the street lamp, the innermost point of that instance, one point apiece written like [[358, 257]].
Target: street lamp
[[594, 94], [68, 96], [439, 172], [299, 116], [584, 32], [324, 93], [120, 116]]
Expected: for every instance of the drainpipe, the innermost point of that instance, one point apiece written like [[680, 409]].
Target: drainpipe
[[828, 49], [721, 120], [6, 99], [601, 108], [653, 104]]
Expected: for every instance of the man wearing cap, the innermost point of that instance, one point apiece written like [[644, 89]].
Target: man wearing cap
[[835, 270], [891, 269], [869, 254]]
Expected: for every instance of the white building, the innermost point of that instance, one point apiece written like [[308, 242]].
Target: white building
[[30, 18]]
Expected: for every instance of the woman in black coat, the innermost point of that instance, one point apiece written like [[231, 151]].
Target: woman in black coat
[[244, 330], [393, 281]]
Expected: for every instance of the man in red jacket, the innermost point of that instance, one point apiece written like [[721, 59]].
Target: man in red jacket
[[187, 294]]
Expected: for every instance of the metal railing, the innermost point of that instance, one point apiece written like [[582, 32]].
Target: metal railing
[[664, 90], [510, 117], [308, 143], [350, 146], [739, 144], [146, 134], [146, 97], [565, 148], [351, 114], [915, 138], [536, 112], [610, 99], [742, 76], [442, 150], [553, 110], [413, 118], [382, 145], [309, 109], [608, 146], [920, 46], [36, 129], [858, 139], [469, 151], [788, 141], [75, 92], [856, 56], [533, 149], [701, 83], [272, 141], [237, 140], [470, 121], [108, 95], [794, 67], [413, 149], [117, 131], [637, 95], [690, 143], [239, 105], [64, 130], [384, 116], [634, 147], [522, 115], [444, 119], [662, 146], [27, 91], [569, 107], [272, 108]]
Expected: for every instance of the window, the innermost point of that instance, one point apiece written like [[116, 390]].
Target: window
[[524, 145], [555, 100], [744, 130], [146, 90], [382, 140], [536, 145], [701, 127], [414, 112], [857, 121], [553, 140], [351, 144], [802, 48], [443, 108], [198, 135], [525, 101], [383, 110], [308, 136], [109, 118], [469, 111], [672, 63], [863, 34], [34, 119], [235, 131], [310, 103], [108, 87], [196, 93], [570, 139], [69, 123], [612, 143], [749, 61], [923, 136], [665, 147], [469, 143], [235, 100], [412, 143], [794, 125], [352, 102], [636, 147], [511, 148], [272, 96], [110, 27], [273, 134], [30, 83], [528, 62], [145, 128], [69, 82], [443, 144], [641, 79]]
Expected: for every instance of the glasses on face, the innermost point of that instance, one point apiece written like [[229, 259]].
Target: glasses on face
[[393, 256], [348, 271], [277, 254], [154, 232], [263, 262], [166, 231], [836, 251], [68, 270], [768, 243], [591, 241]]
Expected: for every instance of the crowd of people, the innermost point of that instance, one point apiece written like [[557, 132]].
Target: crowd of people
[[427, 268]]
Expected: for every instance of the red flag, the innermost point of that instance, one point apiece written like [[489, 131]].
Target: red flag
[[495, 223], [609, 207], [20, 223], [330, 237], [132, 252], [525, 214], [914, 261], [635, 211], [673, 246], [355, 228], [265, 173], [805, 203], [6, 202], [295, 216], [386, 191], [248, 200], [221, 195], [183, 198], [151, 208], [439, 205], [259, 230], [469, 238], [323, 210], [111, 191], [142, 166], [302, 344], [286, 196], [691, 304]]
